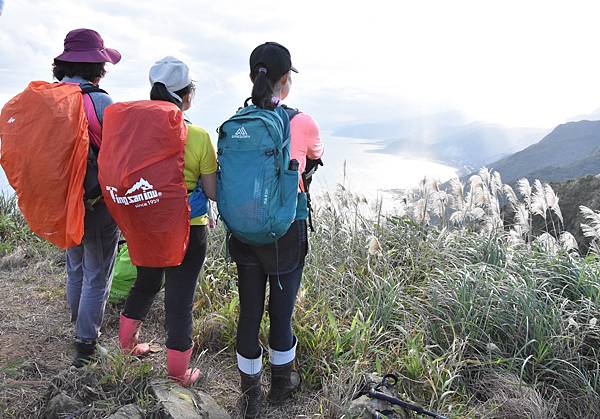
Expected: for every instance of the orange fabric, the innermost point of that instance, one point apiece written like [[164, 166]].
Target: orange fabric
[[140, 168], [44, 149]]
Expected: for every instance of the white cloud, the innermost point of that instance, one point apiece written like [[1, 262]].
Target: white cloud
[[527, 63]]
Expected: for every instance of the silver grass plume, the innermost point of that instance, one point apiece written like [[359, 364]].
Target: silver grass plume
[[510, 195], [524, 189], [548, 243], [421, 213], [477, 189], [458, 217], [484, 174], [592, 228], [496, 183], [552, 201], [457, 194], [522, 217], [476, 214], [539, 205], [515, 236], [492, 223], [441, 203], [475, 181], [568, 242]]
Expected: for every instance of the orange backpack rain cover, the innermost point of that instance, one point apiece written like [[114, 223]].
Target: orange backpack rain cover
[[43, 151], [140, 169]]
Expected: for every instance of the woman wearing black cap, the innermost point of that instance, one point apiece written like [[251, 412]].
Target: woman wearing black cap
[[280, 264]]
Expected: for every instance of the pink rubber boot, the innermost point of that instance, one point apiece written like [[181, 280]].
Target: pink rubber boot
[[128, 337], [177, 367]]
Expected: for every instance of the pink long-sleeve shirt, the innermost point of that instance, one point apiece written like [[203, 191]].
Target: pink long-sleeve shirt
[[305, 141]]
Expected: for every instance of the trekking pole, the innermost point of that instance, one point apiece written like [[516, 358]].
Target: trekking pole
[[385, 382], [405, 405]]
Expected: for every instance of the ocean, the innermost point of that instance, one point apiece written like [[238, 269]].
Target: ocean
[[350, 162]]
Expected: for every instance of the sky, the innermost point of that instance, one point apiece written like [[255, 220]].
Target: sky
[[518, 63]]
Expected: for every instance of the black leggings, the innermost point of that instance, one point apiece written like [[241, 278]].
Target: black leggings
[[252, 282], [180, 286]]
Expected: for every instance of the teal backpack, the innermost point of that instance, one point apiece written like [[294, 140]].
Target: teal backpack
[[257, 185]]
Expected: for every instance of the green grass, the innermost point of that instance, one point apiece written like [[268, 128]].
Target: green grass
[[473, 326], [108, 384], [14, 231]]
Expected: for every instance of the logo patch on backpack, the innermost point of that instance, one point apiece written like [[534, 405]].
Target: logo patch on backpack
[[241, 133], [146, 196]]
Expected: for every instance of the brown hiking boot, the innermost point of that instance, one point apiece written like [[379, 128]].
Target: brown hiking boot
[[251, 394], [284, 381]]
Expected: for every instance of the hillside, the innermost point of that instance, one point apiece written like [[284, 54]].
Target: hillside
[[571, 150], [478, 144], [572, 194], [588, 166]]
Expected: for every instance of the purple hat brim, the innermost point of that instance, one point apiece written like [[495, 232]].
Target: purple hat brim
[[106, 55]]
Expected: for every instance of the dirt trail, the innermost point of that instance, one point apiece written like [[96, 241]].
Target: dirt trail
[[36, 344]]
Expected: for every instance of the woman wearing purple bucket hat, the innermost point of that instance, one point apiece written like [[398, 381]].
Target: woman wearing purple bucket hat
[[89, 265]]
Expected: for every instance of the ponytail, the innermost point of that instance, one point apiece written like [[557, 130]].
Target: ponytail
[[160, 92], [262, 92]]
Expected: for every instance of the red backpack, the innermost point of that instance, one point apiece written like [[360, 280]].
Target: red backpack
[[140, 169]]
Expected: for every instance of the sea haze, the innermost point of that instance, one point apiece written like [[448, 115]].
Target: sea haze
[[351, 163], [447, 138], [366, 172]]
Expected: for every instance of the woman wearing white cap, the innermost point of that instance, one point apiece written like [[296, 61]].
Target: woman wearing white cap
[[171, 82]]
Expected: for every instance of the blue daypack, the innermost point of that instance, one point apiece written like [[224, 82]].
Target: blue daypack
[[257, 190]]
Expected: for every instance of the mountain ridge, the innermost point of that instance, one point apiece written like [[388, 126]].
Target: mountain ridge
[[569, 151]]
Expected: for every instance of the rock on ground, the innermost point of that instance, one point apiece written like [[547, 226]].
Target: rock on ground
[[14, 259], [131, 411], [181, 403], [61, 406], [365, 407]]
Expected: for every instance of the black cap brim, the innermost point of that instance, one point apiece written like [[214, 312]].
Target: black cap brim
[[292, 68]]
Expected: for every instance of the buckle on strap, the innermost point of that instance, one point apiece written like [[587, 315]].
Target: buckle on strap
[[89, 203]]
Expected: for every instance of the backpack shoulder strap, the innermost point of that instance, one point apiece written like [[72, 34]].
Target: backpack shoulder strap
[[292, 112], [88, 88], [286, 119], [92, 113]]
